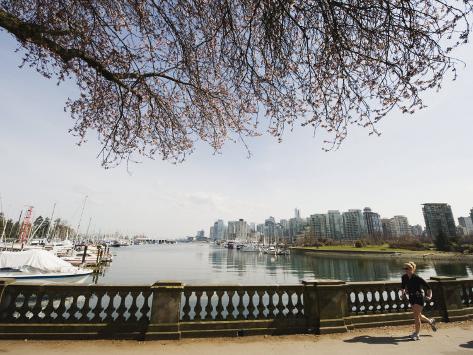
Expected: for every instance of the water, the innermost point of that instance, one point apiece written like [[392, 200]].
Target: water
[[208, 264]]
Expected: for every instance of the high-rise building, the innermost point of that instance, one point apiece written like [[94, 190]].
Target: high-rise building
[[471, 214], [270, 229], [400, 226], [467, 225], [318, 225], [417, 230], [297, 213], [354, 226], [373, 223], [231, 230], [387, 228], [242, 229], [439, 219], [200, 235], [335, 224], [211, 233], [218, 230], [296, 225]]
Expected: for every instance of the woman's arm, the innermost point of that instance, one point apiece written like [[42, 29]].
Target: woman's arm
[[428, 293]]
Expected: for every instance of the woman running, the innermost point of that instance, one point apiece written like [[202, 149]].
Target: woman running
[[412, 286]]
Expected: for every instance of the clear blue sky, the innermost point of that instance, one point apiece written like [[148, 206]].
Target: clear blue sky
[[425, 157]]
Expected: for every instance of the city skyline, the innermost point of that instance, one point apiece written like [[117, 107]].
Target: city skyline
[[418, 158]]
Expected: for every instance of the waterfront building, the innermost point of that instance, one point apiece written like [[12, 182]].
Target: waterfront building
[[354, 226], [296, 225], [373, 223], [417, 230], [231, 230], [318, 225], [335, 224], [467, 225], [218, 230], [260, 228], [270, 229], [400, 226], [439, 219], [211, 233], [387, 228]]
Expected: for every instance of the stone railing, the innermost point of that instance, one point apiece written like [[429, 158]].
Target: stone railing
[[172, 310], [243, 309]]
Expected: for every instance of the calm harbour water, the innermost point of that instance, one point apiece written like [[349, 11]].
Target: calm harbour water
[[208, 264]]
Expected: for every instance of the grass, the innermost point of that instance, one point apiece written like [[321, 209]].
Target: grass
[[368, 248]]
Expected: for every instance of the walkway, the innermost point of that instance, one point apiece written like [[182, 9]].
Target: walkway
[[453, 338]]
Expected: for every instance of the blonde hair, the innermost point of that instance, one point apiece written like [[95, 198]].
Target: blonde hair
[[411, 265]]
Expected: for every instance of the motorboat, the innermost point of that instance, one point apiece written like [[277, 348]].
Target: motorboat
[[37, 264]]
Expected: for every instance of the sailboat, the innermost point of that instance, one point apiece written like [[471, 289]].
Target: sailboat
[[37, 264]]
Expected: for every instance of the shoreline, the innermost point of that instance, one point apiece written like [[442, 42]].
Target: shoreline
[[411, 255]]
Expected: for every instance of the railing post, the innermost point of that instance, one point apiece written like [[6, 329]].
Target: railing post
[[325, 305], [4, 301], [449, 298], [164, 320]]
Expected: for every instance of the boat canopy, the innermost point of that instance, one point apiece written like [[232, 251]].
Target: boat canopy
[[34, 260]]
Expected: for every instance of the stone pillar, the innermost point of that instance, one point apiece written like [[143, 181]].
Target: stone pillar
[[449, 299], [4, 300], [164, 321], [325, 304]]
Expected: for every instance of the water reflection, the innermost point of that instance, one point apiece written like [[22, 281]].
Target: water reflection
[[199, 264]]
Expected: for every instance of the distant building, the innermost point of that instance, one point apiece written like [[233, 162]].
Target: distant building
[[297, 213], [318, 225], [417, 230], [200, 236], [335, 224], [387, 228], [373, 223], [467, 225], [211, 233], [439, 219], [218, 230], [296, 225], [270, 229], [400, 226], [231, 230], [354, 226]]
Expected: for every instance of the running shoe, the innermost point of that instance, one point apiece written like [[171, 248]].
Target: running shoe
[[414, 336], [432, 325]]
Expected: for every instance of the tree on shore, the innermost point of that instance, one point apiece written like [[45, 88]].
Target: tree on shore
[[441, 241], [155, 77]]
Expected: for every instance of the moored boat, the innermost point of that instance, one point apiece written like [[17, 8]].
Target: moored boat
[[37, 264]]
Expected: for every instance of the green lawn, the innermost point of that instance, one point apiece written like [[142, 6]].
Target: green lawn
[[372, 248]]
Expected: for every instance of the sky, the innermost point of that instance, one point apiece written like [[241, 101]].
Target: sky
[[425, 157]]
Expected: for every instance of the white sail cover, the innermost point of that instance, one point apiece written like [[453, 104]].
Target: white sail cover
[[34, 260]]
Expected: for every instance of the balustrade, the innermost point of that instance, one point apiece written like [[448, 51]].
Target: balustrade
[[23, 303], [378, 298], [169, 310], [210, 303], [467, 292]]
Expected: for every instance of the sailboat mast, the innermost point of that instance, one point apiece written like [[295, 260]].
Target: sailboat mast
[[80, 219], [50, 221]]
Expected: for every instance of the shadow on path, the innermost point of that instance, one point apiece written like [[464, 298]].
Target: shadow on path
[[468, 345], [392, 340]]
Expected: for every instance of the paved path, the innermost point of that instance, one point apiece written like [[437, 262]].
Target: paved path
[[453, 338]]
